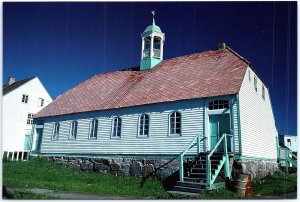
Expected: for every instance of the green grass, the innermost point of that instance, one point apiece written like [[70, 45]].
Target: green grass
[[39, 173], [28, 195], [277, 184]]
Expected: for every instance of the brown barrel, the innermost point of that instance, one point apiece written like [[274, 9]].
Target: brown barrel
[[240, 184], [248, 187]]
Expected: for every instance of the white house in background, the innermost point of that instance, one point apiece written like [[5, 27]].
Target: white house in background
[[21, 100], [290, 141]]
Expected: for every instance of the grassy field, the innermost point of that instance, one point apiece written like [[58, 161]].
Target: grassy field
[[277, 184], [39, 173]]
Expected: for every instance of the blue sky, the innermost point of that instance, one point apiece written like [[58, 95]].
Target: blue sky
[[66, 43]]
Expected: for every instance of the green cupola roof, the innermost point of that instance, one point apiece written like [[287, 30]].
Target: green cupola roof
[[153, 28]]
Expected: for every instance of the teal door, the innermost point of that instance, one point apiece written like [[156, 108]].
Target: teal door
[[219, 124], [27, 142], [39, 133]]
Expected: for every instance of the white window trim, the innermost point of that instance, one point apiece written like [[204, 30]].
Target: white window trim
[[139, 122], [263, 92], [91, 125], [249, 75], [54, 132], [71, 137], [255, 83], [112, 128], [175, 134]]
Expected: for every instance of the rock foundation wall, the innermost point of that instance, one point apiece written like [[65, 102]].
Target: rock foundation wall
[[120, 166], [142, 167], [257, 169]]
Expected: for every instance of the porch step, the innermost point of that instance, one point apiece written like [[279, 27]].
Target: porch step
[[202, 170], [213, 157], [213, 161], [198, 170], [188, 189], [183, 193], [195, 179], [193, 174], [190, 184], [203, 166]]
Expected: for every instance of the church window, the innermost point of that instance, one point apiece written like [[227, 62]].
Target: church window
[[73, 131], [93, 129], [55, 131], [175, 123], [144, 125], [116, 128]]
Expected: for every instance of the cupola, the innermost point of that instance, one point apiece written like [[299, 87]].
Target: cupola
[[152, 46]]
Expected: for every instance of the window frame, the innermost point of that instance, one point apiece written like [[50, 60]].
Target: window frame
[[249, 75], [93, 128], [170, 134], [73, 134], [25, 98], [255, 83], [29, 120], [139, 126], [41, 102], [218, 104], [288, 142], [55, 133], [263, 92], [119, 120]]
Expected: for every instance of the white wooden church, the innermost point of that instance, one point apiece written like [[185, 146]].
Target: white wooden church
[[203, 105]]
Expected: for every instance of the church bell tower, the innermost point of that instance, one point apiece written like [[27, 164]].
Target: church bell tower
[[152, 46]]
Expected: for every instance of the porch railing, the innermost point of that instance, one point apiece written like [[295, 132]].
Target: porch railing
[[210, 178], [196, 141], [287, 158]]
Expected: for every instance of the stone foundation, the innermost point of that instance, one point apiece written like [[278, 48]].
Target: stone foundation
[[257, 169], [120, 166], [142, 166]]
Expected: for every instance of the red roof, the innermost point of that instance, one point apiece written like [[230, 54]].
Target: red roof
[[199, 75]]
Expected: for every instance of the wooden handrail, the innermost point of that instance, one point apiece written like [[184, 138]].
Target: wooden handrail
[[225, 160], [192, 142], [181, 155], [216, 146]]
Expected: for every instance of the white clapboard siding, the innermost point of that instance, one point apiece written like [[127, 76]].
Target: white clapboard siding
[[15, 113], [157, 143], [258, 130], [235, 128]]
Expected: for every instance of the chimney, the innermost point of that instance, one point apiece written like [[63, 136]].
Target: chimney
[[221, 46], [11, 80]]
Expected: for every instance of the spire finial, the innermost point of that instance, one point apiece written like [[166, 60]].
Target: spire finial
[[153, 13]]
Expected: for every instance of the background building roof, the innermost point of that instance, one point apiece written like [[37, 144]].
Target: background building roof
[[13, 86]]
